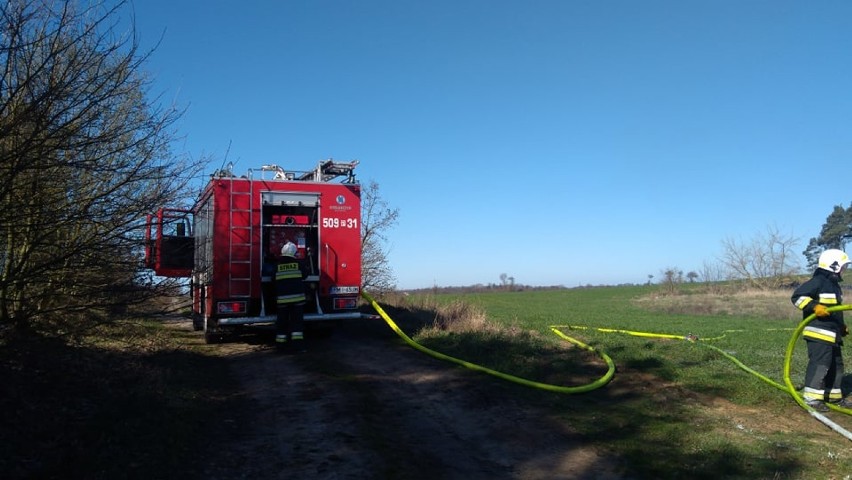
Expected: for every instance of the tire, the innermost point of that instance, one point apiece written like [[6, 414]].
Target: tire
[[212, 333]]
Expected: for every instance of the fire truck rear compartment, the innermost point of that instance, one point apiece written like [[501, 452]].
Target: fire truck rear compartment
[[292, 216]]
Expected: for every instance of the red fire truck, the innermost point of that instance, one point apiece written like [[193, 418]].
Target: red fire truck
[[226, 243]]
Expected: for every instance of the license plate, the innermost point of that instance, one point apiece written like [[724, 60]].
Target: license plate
[[342, 290]]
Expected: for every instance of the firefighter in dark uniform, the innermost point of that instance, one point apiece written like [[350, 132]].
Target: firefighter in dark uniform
[[824, 335], [290, 301]]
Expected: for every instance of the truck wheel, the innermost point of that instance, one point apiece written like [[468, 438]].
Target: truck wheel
[[211, 333], [197, 323]]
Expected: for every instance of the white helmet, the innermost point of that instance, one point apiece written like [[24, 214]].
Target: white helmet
[[288, 249], [833, 260]]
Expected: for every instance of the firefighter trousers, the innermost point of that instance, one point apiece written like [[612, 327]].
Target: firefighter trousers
[[289, 323], [824, 373]]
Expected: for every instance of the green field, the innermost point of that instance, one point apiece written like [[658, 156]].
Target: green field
[[675, 408]]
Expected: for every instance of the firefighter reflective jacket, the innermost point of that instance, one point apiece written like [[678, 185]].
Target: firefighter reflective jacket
[[288, 282], [823, 288]]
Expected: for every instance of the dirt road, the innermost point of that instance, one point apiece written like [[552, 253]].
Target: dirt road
[[362, 404]]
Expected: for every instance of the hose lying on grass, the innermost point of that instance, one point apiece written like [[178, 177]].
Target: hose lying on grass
[[522, 381], [600, 382]]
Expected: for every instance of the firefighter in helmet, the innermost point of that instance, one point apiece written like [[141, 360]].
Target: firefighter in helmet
[[290, 300], [824, 335]]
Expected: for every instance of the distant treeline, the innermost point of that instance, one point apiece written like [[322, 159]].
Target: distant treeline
[[493, 287]]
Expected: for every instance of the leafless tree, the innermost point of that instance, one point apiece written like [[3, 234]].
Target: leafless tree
[[672, 277], [84, 154], [376, 219], [765, 261], [713, 275]]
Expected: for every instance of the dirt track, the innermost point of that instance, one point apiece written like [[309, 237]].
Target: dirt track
[[363, 405]]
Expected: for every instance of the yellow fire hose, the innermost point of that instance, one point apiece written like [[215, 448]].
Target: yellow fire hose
[[523, 381], [787, 387]]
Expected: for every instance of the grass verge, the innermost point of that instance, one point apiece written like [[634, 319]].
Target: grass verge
[[675, 409], [129, 400]]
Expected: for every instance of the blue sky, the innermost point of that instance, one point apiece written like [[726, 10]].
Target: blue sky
[[560, 142]]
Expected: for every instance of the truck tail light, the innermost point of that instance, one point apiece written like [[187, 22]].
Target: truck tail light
[[231, 307], [345, 303]]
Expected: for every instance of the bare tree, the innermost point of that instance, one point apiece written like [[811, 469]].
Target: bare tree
[[376, 219], [712, 274], [84, 155], [672, 277], [766, 261]]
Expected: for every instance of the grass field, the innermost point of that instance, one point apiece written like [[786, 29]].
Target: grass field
[[675, 408]]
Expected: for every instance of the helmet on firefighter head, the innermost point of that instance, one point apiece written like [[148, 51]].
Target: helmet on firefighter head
[[288, 249], [833, 260]]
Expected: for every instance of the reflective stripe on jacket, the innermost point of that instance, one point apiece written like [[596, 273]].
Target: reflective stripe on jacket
[[821, 289], [288, 282]]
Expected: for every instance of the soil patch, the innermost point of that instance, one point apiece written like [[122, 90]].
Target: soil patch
[[362, 404]]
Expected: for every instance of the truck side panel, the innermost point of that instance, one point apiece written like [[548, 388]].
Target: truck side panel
[[340, 228]]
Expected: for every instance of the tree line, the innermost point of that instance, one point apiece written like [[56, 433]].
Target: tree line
[[84, 153], [769, 259]]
